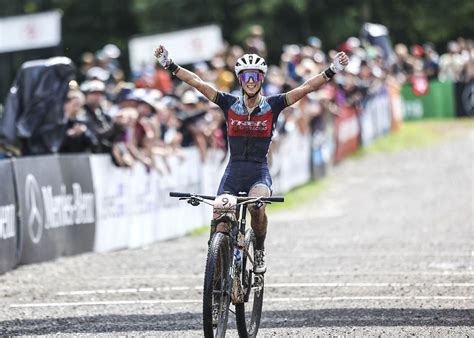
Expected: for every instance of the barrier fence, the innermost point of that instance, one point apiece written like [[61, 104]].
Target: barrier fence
[[443, 100], [59, 205], [9, 239]]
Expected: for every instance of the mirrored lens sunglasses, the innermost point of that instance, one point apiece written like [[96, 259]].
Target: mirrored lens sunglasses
[[255, 76]]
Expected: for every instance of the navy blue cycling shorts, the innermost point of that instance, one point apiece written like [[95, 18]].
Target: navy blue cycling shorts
[[241, 176]]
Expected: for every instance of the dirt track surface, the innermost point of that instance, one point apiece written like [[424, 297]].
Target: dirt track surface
[[386, 249]]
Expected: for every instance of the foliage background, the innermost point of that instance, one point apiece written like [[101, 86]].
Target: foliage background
[[90, 24]]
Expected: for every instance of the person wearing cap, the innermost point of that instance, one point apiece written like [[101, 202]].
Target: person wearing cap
[[97, 120], [251, 120]]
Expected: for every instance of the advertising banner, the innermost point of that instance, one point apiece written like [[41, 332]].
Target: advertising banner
[[464, 98], [186, 46], [77, 180], [212, 170], [112, 189], [36, 179], [9, 236], [30, 31], [175, 217], [375, 117], [291, 161], [347, 133], [133, 205], [51, 213], [438, 103], [322, 146]]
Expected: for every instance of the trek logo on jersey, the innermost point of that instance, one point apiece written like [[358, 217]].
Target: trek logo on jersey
[[251, 125], [257, 126]]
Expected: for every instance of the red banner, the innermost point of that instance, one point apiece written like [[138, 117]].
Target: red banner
[[347, 133]]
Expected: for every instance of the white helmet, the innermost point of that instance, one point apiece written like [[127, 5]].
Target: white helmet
[[250, 61]]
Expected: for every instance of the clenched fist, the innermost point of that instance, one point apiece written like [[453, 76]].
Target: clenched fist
[[161, 53], [340, 62]]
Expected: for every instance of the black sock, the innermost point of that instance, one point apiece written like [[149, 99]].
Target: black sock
[[259, 242]]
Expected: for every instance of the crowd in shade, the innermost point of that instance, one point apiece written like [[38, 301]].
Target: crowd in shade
[[153, 115]]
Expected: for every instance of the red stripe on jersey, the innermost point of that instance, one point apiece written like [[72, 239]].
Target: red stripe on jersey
[[257, 126]]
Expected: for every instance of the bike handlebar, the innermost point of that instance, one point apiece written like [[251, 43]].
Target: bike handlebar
[[188, 195], [239, 199]]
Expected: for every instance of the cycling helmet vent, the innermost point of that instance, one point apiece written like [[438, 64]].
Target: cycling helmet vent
[[250, 61]]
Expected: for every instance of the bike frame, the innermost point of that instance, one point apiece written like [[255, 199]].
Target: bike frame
[[235, 226]]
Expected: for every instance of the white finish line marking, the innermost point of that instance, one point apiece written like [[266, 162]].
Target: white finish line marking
[[273, 286], [320, 274], [198, 301], [130, 290]]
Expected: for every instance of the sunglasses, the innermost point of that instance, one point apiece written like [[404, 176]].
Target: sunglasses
[[255, 76]]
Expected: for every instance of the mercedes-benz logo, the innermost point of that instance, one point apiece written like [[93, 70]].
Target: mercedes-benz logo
[[34, 212], [468, 98]]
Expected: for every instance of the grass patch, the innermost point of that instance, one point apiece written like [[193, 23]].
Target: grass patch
[[199, 231], [415, 134]]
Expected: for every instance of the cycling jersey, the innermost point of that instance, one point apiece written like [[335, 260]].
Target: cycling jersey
[[250, 134]]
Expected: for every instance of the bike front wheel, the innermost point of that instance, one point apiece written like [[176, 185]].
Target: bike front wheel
[[248, 314], [216, 293]]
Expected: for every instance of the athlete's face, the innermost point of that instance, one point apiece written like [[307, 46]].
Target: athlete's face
[[251, 81]]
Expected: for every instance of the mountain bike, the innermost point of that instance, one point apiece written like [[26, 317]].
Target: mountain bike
[[229, 275]]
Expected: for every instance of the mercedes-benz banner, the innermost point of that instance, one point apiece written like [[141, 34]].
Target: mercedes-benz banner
[[77, 179], [8, 222], [57, 213]]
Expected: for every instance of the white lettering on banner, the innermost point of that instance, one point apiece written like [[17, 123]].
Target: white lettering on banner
[[47, 211], [348, 129], [7, 221], [413, 109], [378, 107], [65, 209]]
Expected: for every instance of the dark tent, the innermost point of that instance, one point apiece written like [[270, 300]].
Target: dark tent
[[33, 118]]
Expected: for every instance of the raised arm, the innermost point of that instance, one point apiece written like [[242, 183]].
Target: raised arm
[[183, 74], [340, 62]]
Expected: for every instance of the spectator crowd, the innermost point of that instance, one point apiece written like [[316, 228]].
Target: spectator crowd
[[153, 116]]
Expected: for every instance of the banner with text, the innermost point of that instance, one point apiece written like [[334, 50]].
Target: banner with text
[[375, 118], [185, 46], [437, 103], [291, 161], [134, 207], [347, 133], [30, 31], [9, 236], [53, 213], [77, 181]]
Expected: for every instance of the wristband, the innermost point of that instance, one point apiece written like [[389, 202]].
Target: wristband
[[176, 71], [172, 67], [328, 74]]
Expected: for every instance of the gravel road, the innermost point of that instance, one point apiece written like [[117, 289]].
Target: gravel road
[[386, 249]]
